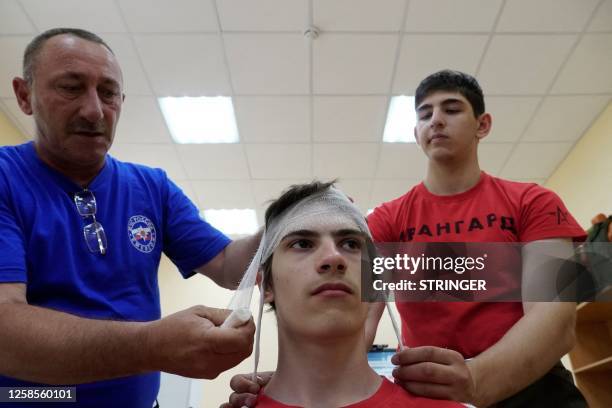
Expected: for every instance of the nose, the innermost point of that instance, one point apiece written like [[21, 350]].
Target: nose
[[331, 260], [437, 119], [91, 106]]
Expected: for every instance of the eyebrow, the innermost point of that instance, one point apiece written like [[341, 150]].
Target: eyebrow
[[69, 75], [77, 76], [110, 81], [338, 233], [445, 102]]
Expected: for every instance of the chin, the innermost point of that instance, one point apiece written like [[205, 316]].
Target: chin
[[441, 156], [91, 152], [92, 158], [340, 321], [330, 330]]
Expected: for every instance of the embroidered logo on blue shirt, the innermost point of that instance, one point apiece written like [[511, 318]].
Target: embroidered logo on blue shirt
[[142, 233]]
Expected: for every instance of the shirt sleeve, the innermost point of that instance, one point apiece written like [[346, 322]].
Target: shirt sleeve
[[381, 225], [189, 241], [544, 216], [12, 244]]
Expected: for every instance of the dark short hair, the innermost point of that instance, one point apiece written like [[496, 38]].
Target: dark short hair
[[454, 81], [33, 49]]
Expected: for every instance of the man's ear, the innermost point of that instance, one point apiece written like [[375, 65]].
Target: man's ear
[[416, 136], [484, 126], [23, 93]]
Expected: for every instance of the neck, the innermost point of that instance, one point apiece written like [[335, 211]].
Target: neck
[[332, 373], [450, 178], [81, 174]]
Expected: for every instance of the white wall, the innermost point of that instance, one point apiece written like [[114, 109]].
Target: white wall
[[9, 135], [584, 178]]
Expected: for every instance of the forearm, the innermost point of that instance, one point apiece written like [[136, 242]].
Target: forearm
[[228, 267], [527, 351], [238, 256], [51, 347]]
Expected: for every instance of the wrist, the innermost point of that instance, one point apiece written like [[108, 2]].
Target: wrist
[[144, 347], [476, 396]]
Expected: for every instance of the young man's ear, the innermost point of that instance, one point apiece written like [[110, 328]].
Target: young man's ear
[[484, 126], [23, 93], [268, 296], [416, 137]]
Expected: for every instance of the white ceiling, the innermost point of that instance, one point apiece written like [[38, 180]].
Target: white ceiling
[[317, 108]]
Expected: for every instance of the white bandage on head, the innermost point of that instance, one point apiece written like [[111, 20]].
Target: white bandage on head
[[325, 208]]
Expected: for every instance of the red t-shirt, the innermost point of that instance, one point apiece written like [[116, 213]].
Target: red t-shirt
[[389, 395], [494, 210]]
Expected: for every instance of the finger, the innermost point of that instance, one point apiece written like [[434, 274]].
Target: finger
[[426, 373], [242, 383], [232, 340], [242, 400], [429, 390], [217, 316], [264, 378], [425, 353], [237, 318]]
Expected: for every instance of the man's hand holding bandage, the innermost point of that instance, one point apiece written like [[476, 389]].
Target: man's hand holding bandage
[[192, 342]]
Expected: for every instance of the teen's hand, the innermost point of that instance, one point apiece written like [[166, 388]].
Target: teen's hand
[[434, 372], [245, 390]]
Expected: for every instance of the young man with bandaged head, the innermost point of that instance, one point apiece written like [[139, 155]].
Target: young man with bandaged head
[[314, 244]]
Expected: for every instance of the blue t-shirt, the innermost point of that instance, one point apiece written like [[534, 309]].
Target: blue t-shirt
[[42, 244]]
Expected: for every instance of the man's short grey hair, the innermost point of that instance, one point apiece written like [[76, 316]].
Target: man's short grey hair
[[33, 49]]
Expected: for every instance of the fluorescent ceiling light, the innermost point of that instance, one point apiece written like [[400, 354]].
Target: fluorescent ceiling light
[[200, 120], [401, 119], [232, 222]]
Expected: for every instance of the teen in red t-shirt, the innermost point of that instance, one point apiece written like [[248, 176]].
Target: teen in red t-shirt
[[511, 345]]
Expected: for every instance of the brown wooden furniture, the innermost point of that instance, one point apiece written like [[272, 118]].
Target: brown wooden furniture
[[591, 358]]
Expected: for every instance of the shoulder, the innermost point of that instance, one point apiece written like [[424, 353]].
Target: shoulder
[[135, 170], [528, 193], [9, 154], [386, 219], [521, 193], [263, 401], [514, 188], [13, 163], [397, 397], [400, 202], [542, 213], [412, 193]]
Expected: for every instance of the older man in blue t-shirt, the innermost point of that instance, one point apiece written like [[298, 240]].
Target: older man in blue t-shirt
[[81, 236]]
